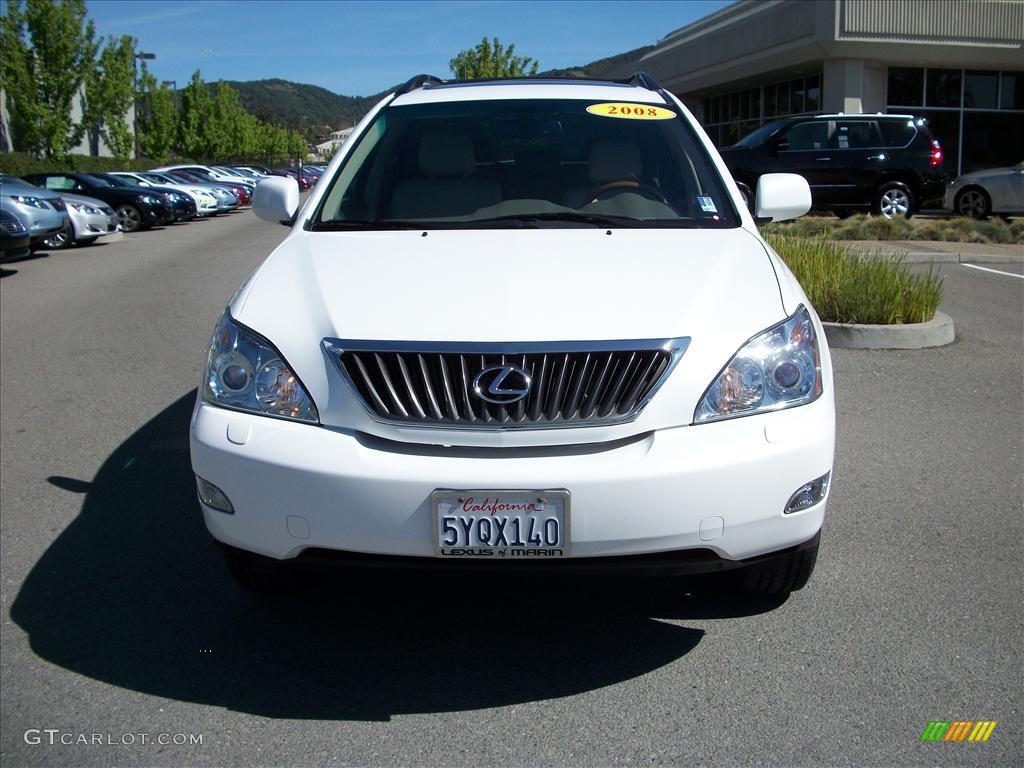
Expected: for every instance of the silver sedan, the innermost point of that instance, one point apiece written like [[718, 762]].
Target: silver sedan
[[90, 219], [978, 194]]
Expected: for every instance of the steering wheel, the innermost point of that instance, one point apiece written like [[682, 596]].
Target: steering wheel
[[630, 185]]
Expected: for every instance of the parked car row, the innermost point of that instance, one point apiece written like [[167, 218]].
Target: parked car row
[[58, 209], [890, 165]]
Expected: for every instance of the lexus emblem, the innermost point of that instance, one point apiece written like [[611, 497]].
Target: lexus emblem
[[502, 384]]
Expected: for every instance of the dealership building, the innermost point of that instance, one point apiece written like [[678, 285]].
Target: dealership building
[[959, 63]]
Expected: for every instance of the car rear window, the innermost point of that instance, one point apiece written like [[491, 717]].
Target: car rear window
[[486, 162], [897, 133]]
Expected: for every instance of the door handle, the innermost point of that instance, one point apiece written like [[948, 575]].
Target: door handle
[[882, 156], [823, 159]]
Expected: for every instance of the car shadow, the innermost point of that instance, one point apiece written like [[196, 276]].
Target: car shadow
[[134, 593]]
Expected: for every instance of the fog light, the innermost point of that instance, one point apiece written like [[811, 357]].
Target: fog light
[[808, 495], [212, 496]]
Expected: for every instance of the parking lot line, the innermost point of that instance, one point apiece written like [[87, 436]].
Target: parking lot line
[[997, 271]]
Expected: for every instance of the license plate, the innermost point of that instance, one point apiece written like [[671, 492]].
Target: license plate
[[501, 524]]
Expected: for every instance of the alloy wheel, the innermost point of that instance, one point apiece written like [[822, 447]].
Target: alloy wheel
[[894, 203], [128, 218], [973, 203], [60, 239]]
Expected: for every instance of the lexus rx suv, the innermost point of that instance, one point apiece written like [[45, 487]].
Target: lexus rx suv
[[520, 324], [885, 164]]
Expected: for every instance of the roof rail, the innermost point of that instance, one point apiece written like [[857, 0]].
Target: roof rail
[[417, 82], [643, 79]]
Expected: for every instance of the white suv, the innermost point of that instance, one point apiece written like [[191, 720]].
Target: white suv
[[525, 324]]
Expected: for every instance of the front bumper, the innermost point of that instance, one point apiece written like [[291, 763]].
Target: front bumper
[[156, 215], [297, 487]]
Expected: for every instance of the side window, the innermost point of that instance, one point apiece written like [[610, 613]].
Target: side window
[[805, 136], [59, 182], [897, 133], [855, 134]]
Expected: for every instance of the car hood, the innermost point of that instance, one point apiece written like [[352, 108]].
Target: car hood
[[716, 287], [95, 202], [979, 176], [522, 285]]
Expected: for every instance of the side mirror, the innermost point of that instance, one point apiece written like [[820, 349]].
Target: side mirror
[[781, 196], [276, 199]]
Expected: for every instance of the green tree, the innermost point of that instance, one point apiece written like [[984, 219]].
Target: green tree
[[298, 147], [46, 51], [157, 118], [196, 108], [491, 59], [273, 143], [110, 96]]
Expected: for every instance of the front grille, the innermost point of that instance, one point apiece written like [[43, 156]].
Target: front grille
[[10, 223], [572, 384]]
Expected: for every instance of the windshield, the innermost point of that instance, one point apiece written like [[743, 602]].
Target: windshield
[[756, 138], [114, 181], [542, 162], [97, 181]]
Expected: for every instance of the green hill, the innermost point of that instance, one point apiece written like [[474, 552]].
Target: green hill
[[307, 108], [613, 67], [316, 111]]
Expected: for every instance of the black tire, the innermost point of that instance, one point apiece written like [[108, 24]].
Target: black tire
[[894, 200], [780, 575], [129, 219], [973, 202], [256, 573]]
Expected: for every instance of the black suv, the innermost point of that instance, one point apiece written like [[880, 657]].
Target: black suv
[[887, 164]]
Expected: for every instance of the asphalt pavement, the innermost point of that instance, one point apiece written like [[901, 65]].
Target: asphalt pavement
[[122, 629]]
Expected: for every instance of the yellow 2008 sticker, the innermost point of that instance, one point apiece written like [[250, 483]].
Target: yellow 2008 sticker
[[631, 111]]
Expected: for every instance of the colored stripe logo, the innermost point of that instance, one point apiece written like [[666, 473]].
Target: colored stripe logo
[[958, 730]]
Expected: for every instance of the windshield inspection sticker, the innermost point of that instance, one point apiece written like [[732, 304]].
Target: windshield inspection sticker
[[707, 204], [631, 111]]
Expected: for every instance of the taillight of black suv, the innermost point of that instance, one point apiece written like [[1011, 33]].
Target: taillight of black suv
[[887, 164]]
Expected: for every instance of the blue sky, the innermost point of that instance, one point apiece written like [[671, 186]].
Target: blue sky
[[361, 48]]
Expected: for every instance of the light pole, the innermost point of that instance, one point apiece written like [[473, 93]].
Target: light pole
[[135, 86]]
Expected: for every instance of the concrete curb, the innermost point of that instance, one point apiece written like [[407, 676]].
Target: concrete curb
[[937, 332], [938, 257]]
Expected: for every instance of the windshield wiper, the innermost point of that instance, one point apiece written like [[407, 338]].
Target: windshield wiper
[[594, 219], [339, 225]]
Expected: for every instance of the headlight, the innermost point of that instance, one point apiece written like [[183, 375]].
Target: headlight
[[149, 199], [84, 208], [779, 368], [35, 202], [244, 371]]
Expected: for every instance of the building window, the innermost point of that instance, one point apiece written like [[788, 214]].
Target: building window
[[981, 90], [731, 116], [943, 88], [992, 140], [812, 95], [1011, 90], [977, 115], [906, 86]]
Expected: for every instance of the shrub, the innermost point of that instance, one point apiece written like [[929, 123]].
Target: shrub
[[845, 288], [957, 229], [21, 163]]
